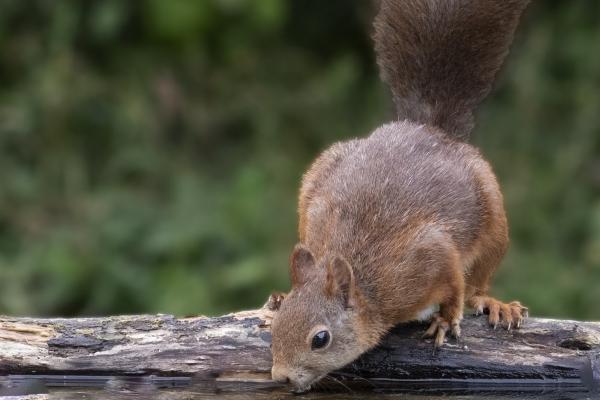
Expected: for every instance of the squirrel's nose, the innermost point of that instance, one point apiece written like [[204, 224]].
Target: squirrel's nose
[[279, 375]]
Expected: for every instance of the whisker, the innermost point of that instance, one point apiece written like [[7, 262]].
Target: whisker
[[322, 388], [354, 376], [340, 382]]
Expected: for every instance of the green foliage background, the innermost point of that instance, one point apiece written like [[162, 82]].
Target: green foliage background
[[150, 151]]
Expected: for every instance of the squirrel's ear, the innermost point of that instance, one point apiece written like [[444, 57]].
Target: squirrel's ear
[[302, 265], [274, 301], [340, 281]]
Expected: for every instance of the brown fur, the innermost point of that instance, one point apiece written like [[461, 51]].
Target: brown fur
[[409, 216], [440, 57]]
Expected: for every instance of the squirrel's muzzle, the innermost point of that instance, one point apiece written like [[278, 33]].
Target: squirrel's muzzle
[[279, 375]]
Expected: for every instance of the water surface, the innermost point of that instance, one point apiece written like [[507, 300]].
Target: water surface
[[43, 387]]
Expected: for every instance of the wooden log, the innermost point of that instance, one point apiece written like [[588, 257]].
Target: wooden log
[[232, 353]]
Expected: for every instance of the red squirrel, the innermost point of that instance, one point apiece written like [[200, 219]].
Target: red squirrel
[[410, 216]]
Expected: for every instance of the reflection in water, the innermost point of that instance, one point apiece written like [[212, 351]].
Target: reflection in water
[[174, 388]]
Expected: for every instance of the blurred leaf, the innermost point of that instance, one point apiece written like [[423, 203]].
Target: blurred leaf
[[151, 152]]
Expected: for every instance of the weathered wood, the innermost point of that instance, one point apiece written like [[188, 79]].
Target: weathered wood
[[232, 353]]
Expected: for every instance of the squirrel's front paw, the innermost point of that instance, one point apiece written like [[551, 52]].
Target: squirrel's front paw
[[509, 315], [440, 326], [274, 301]]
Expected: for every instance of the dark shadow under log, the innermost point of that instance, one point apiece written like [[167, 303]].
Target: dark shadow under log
[[231, 353]]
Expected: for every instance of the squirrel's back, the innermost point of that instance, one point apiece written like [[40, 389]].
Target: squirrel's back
[[379, 188]]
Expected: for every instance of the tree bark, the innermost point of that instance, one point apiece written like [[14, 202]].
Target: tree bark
[[232, 353]]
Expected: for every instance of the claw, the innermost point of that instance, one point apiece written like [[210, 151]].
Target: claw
[[439, 328], [508, 315], [432, 329], [441, 335], [456, 331]]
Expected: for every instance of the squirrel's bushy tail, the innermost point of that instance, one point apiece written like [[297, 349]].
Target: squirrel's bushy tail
[[440, 57]]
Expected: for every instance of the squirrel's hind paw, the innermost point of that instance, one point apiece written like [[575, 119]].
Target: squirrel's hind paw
[[509, 315]]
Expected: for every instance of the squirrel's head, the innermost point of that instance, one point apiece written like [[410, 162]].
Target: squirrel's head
[[319, 326]]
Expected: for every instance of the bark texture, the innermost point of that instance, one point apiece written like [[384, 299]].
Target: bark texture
[[232, 353]]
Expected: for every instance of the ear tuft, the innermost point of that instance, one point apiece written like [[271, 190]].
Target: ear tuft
[[340, 281], [302, 265]]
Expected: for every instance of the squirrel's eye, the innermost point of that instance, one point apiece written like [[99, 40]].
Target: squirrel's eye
[[320, 340]]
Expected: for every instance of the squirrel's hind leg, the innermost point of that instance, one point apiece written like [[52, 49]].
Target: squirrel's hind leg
[[489, 251], [509, 315]]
